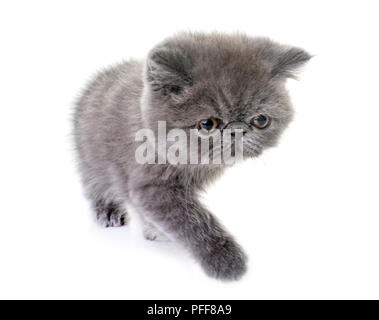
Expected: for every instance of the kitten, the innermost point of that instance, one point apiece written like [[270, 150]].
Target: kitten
[[190, 81]]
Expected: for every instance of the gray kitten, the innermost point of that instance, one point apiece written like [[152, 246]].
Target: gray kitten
[[191, 80]]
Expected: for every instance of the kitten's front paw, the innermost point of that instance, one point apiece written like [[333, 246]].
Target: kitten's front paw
[[110, 214], [225, 260]]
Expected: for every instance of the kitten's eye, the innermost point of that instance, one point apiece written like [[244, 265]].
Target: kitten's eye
[[208, 125], [261, 121]]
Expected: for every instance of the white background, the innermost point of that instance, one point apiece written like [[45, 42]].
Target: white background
[[306, 212]]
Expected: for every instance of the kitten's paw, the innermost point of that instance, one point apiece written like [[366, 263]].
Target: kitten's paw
[[111, 215], [225, 260], [153, 234]]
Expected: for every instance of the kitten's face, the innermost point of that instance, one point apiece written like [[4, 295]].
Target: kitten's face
[[218, 82]]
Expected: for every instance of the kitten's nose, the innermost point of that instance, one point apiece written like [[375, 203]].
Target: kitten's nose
[[233, 126]]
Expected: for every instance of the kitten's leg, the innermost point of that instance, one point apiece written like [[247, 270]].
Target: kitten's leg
[[150, 232], [182, 217], [110, 214]]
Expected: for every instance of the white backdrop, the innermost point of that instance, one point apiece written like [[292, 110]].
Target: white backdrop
[[306, 212]]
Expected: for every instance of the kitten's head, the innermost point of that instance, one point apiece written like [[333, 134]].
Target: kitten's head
[[219, 81]]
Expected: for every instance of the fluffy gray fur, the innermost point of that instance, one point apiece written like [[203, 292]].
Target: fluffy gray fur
[[186, 78]]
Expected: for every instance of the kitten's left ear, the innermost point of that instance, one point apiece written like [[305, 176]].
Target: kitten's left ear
[[166, 70], [288, 60]]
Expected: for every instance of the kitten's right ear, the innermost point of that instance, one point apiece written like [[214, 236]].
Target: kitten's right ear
[[167, 70], [287, 60]]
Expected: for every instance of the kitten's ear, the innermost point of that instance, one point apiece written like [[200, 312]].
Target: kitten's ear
[[288, 60], [167, 70]]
